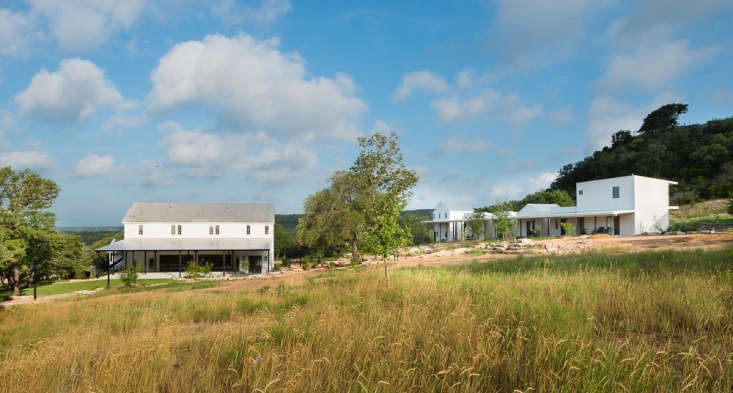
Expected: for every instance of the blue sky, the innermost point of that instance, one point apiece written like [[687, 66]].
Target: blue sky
[[262, 100]]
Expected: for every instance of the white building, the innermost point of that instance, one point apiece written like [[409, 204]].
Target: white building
[[450, 225], [164, 237], [627, 205]]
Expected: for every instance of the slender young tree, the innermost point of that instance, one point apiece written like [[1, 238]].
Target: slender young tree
[[475, 224]]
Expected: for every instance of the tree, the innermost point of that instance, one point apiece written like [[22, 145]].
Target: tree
[[419, 231], [663, 117], [503, 222], [24, 198], [283, 240], [385, 185], [475, 224]]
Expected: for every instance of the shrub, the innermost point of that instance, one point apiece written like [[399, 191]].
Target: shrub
[[285, 261], [196, 271], [129, 276], [568, 228], [730, 205]]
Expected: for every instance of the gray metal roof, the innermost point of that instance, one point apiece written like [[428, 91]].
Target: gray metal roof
[[199, 212], [185, 244]]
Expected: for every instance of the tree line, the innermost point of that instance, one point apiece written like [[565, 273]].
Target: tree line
[[30, 248]]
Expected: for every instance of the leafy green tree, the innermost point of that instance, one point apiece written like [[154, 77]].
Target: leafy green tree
[[503, 222], [663, 117], [24, 198], [475, 224], [420, 232], [385, 235], [283, 241]]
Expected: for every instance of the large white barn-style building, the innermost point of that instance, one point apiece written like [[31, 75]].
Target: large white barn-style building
[[626, 206], [165, 236]]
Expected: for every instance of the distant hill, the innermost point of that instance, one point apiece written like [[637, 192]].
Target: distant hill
[[698, 156]]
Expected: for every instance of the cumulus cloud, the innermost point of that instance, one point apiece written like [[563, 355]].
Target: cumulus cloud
[[265, 12], [454, 108], [258, 155], [155, 175], [69, 95], [21, 159], [95, 165], [541, 181], [16, 33], [608, 115], [461, 146], [504, 192], [258, 87], [531, 33], [420, 80], [652, 67]]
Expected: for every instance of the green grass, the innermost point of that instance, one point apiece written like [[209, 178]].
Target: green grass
[[61, 287], [693, 224], [646, 322]]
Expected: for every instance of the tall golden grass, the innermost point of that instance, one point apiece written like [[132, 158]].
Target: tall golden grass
[[658, 322]]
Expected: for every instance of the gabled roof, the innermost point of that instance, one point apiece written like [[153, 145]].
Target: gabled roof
[[199, 212]]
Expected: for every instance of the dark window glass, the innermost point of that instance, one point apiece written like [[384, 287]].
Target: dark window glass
[[179, 229], [139, 229], [248, 229], [267, 229], [216, 229], [616, 192], [173, 229]]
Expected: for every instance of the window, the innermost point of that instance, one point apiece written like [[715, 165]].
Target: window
[[216, 229], [211, 229], [267, 229], [616, 192], [248, 229], [140, 229], [179, 229], [173, 229], [580, 192]]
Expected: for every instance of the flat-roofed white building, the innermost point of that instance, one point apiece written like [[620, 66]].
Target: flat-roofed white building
[[626, 205], [165, 236]]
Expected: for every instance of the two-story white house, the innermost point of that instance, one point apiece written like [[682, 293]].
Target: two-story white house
[[626, 205], [165, 237]]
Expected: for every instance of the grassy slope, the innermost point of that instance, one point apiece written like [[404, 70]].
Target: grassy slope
[[61, 287], [690, 217], [594, 323]]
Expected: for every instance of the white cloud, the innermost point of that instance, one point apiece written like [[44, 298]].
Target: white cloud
[[652, 67], [465, 78], [504, 192], [258, 155], [16, 33], [561, 116], [266, 11], [541, 182], [532, 33], [96, 165], [461, 146], [255, 85], [82, 24], [155, 175], [420, 80], [21, 159], [71, 94], [607, 115], [510, 107]]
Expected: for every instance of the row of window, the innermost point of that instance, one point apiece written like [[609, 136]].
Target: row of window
[[176, 229]]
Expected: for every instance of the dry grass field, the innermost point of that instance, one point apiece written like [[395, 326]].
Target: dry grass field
[[657, 321]]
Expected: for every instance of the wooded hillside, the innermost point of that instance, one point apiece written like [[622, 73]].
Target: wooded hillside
[[698, 156]]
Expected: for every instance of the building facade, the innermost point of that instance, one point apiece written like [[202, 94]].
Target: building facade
[[626, 206], [165, 237]]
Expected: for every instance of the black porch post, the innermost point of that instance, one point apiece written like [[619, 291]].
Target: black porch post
[[156, 266], [179, 263], [108, 266], [145, 260]]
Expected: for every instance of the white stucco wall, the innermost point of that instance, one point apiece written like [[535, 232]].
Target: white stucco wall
[[598, 194], [652, 205]]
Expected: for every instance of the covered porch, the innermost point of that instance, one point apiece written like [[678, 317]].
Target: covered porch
[[164, 255], [584, 223]]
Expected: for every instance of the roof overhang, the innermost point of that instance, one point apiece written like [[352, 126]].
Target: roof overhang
[[577, 214], [185, 244]]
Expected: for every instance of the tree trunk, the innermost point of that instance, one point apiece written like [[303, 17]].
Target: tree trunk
[[16, 280], [386, 273], [354, 251]]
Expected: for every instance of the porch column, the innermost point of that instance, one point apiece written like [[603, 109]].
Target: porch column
[[155, 260], [179, 263]]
